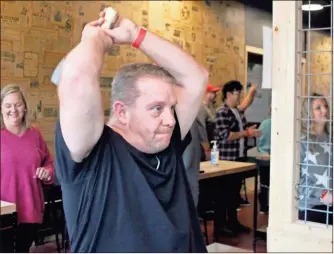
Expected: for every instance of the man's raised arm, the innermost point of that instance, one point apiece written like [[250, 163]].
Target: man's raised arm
[[81, 113], [191, 76]]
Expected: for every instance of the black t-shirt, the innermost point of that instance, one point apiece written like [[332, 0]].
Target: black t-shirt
[[116, 201]]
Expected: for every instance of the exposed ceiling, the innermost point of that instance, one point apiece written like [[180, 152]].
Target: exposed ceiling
[[319, 19]]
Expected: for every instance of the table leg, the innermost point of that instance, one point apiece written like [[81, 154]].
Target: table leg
[[215, 183], [14, 228], [255, 211]]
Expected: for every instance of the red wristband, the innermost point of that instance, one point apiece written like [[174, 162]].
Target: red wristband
[[247, 133], [323, 194], [140, 38]]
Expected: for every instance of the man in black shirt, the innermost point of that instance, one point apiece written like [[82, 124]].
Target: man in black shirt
[[124, 184]]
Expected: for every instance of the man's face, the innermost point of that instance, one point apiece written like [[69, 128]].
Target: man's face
[[234, 97], [151, 118], [212, 96]]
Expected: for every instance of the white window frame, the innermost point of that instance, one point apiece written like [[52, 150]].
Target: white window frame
[[285, 232]]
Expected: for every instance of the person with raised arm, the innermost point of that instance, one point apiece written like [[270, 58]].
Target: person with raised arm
[[124, 184]]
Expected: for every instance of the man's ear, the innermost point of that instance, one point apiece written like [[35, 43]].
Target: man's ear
[[120, 111]]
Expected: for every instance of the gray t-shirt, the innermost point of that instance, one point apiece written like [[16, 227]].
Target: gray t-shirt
[[318, 174], [204, 115], [192, 154], [192, 159]]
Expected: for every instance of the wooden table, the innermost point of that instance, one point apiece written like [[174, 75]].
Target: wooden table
[[226, 168], [9, 209], [218, 247], [254, 153]]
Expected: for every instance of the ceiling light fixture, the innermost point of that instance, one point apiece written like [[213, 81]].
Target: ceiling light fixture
[[312, 7]]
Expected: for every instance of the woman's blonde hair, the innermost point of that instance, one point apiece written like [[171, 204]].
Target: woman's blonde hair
[[12, 88], [307, 115]]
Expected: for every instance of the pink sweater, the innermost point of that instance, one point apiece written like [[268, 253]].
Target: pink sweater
[[20, 157]]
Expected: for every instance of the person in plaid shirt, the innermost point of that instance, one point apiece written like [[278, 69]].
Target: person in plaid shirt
[[231, 134]]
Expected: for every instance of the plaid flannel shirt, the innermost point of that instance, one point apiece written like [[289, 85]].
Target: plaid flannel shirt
[[226, 122]]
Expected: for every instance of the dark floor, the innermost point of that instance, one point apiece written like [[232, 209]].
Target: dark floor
[[244, 241]]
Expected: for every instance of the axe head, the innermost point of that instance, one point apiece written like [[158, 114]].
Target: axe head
[[55, 78]]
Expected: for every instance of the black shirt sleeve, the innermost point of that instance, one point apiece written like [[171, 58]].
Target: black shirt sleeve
[[69, 171], [176, 140]]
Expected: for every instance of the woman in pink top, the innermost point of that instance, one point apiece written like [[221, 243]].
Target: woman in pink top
[[26, 165]]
